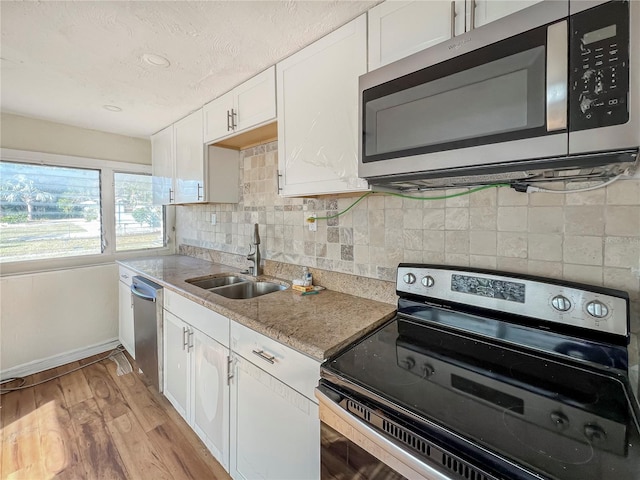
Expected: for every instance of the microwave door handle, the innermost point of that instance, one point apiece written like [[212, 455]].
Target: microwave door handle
[[557, 76], [453, 18]]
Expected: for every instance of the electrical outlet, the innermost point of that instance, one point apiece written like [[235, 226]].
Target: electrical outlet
[[313, 226], [214, 219]]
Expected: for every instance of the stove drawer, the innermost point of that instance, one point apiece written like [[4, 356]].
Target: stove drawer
[[286, 364]]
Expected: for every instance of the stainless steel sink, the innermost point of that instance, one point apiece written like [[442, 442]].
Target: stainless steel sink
[[215, 282], [245, 290], [236, 287]]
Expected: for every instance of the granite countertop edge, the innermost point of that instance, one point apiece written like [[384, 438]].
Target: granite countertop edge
[[316, 325]]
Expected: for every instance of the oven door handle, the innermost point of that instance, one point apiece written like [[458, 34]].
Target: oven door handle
[[336, 417]]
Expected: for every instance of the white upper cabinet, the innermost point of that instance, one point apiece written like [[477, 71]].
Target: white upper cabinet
[[487, 11], [190, 185], [398, 29], [255, 101], [181, 171], [218, 116], [162, 166], [318, 114], [249, 105]]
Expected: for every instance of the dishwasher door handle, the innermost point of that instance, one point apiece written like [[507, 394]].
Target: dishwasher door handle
[[140, 294]]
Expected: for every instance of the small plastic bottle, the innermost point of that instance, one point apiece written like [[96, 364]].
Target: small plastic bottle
[[307, 278]]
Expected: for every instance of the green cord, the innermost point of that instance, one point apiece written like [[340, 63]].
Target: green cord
[[345, 210], [443, 197]]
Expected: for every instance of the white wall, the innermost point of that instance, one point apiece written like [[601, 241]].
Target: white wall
[[24, 133], [51, 318]]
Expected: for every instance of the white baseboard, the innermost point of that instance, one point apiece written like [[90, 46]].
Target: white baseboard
[[55, 361]]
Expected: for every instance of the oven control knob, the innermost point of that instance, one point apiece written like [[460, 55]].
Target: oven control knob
[[594, 433], [408, 363], [559, 420], [428, 281], [409, 278], [428, 370], [597, 309], [561, 303]]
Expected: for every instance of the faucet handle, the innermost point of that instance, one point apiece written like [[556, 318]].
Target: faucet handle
[[256, 235]]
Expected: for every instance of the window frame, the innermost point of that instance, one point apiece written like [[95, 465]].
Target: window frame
[[107, 169]]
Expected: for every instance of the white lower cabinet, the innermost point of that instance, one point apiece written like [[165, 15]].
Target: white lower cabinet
[[196, 372], [275, 428], [126, 333], [248, 397], [176, 363], [210, 395], [276, 431]]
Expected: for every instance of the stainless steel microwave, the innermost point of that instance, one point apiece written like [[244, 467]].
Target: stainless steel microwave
[[550, 92]]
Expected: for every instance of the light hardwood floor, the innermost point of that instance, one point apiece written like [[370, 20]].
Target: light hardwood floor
[[94, 424]]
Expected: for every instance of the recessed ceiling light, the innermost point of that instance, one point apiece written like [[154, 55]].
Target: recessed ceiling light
[[156, 60], [112, 108]]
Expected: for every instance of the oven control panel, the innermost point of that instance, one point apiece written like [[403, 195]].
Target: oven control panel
[[536, 298]]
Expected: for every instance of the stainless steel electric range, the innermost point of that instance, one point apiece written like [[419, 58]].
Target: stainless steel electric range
[[485, 375]]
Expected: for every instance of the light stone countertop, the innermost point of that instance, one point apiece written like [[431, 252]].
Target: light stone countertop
[[316, 325]]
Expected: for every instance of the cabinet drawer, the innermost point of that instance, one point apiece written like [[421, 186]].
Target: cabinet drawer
[[207, 321], [289, 366], [125, 275]]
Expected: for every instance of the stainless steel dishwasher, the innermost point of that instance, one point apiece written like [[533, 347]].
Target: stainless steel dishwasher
[[147, 324]]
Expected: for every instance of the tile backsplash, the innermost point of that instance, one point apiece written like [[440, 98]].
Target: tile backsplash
[[591, 237]]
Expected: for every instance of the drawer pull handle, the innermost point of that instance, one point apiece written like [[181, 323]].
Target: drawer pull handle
[[265, 356]]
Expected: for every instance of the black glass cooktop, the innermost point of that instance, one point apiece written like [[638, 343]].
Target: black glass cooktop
[[557, 420]]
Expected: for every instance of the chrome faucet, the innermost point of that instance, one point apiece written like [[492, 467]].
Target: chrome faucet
[[254, 256]]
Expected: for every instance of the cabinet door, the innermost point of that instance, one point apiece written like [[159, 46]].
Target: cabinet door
[[318, 113], [210, 395], [162, 166], [275, 431], [126, 333], [189, 159], [217, 124], [255, 100], [398, 29], [487, 11], [176, 362]]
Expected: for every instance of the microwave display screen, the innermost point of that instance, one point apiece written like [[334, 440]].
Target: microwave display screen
[[598, 35]]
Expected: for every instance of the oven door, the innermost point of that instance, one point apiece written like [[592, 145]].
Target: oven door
[[502, 97], [352, 449]]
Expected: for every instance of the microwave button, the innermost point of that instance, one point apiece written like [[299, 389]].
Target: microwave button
[[585, 104]]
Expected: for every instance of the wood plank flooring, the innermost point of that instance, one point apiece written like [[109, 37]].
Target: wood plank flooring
[[94, 424]]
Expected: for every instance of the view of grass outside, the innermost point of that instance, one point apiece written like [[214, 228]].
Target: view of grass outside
[[52, 212], [139, 224]]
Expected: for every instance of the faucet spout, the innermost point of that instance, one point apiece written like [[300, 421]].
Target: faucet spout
[[254, 255]]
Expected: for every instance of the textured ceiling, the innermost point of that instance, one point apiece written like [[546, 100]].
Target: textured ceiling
[[63, 60]]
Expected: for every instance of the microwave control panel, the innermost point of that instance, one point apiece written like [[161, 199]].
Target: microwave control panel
[[599, 67]]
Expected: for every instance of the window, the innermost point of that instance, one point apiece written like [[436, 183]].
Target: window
[[49, 212], [58, 211], [139, 224]]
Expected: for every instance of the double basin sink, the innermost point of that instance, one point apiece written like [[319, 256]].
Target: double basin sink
[[235, 287]]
